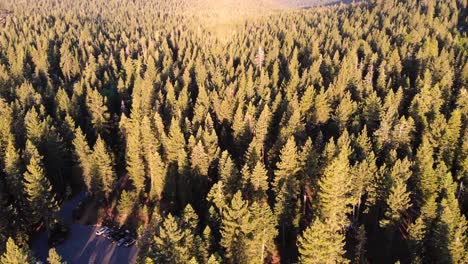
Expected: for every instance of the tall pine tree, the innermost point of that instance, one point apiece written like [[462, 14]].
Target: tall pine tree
[[38, 189]]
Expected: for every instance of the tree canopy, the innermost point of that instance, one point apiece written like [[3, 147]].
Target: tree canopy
[[240, 131]]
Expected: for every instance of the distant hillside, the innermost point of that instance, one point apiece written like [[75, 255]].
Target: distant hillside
[[242, 7], [232, 7], [255, 5], [310, 3]]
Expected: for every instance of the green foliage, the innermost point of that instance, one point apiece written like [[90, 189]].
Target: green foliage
[[38, 190], [259, 182], [54, 257], [398, 200], [15, 254], [285, 184], [335, 188], [346, 120], [321, 244], [428, 181], [157, 173], [12, 169], [235, 228], [126, 203], [229, 173], [450, 231], [262, 243], [170, 243], [83, 155], [103, 169], [97, 108], [134, 157]]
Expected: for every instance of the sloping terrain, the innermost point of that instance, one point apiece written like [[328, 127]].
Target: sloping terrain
[[237, 131], [310, 3]]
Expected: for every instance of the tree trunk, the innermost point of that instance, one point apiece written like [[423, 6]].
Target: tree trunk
[[282, 234], [263, 247]]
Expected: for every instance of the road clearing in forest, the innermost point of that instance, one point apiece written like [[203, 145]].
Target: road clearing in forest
[[82, 244]]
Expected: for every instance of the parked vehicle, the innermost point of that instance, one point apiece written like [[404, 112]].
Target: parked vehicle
[[129, 242], [122, 241], [101, 230], [117, 236], [108, 233]]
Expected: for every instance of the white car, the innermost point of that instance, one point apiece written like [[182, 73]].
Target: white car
[[101, 230]]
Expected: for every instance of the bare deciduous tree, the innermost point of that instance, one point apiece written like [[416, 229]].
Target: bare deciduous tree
[[260, 57]]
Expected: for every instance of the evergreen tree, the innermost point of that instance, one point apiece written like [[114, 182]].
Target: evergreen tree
[[62, 102], [12, 166], [335, 188], [157, 174], [320, 243], [35, 128], [309, 162], [126, 203], [54, 257], [134, 157], [211, 110], [175, 145], [6, 120], [228, 173], [259, 182], [322, 108], [84, 157], [96, 104], [214, 260], [263, 234], [16, 255], [170, 244], [200, 160], [427, 179], [360, 251], [344, 111], [450, 231], [236, 226], [451, 137], [421, 232], [103, 168], [262, 128], [398, 201], [286, 185], [38, 190], [149, 141], [68, 62], [189, 219]]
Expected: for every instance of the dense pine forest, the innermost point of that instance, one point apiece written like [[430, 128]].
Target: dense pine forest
[[237, 131]]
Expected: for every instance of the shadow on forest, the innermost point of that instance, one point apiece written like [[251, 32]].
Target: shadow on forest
[[333, 3]]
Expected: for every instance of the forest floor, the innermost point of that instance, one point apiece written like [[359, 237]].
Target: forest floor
[[82, 244]]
